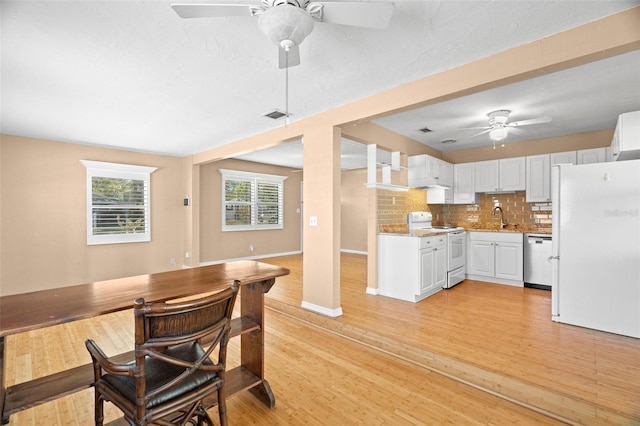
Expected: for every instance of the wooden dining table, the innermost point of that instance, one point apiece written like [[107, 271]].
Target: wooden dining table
[[30, 311]]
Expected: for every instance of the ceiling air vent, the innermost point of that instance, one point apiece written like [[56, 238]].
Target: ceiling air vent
[[275, 114], [425, 130], [449, 141]]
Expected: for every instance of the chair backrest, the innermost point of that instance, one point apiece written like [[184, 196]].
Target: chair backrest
[[160, 326]]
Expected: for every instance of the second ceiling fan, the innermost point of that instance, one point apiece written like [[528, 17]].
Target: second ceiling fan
[[499, 125]]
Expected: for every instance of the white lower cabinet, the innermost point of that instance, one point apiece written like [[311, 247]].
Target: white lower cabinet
[[495, 257], [432, 267], [411, 268]]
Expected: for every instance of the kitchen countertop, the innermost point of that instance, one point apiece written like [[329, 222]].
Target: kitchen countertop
[[510, 228], [406, 233], [401, 229]]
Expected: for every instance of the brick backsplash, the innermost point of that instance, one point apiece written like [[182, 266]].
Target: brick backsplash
[[516, 211], [394, 206]]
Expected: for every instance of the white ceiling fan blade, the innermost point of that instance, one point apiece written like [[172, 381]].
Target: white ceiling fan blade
[[211, 10], [481, 133], [516, 130], [358, 14], [473, 128], [538, 120], [292, 60]]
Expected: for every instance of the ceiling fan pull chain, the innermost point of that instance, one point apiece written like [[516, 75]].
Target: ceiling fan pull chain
[[286, 86]]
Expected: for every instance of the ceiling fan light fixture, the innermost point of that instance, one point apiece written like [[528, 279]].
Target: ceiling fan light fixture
[[286, 25], [498, 133]]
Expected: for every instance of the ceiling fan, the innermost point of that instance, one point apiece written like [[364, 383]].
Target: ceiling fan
[[499, 125], [288, 22]]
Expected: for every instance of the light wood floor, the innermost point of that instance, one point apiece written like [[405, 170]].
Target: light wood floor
[[375, 364], [499, 338]]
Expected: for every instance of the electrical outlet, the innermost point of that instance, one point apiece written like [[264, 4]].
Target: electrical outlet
[[313, 221], [251, 247], [172, 260]]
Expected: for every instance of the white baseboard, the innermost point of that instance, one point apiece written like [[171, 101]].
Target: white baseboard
[[353, 251], [374, 291], [262, 256], [495, 280], [321, 309]]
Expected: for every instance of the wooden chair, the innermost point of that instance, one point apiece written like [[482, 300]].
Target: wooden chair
[[172, 372]]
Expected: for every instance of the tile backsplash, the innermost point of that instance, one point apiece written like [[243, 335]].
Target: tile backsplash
[[516, 211], [394, 206]]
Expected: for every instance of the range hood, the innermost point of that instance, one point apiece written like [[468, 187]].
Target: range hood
[[427, 172], [430, 185]]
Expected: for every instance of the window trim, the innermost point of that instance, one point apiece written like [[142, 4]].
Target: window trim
[[117, 171], [255, 178]]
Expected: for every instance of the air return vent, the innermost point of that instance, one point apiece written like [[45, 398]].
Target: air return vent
[[275, 114]]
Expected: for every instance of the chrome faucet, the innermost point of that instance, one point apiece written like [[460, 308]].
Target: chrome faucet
[[503, 224]]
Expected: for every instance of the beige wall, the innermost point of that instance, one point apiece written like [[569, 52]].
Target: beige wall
[[44, 217], [353, 211], [588, 140], [216, 245], [369, 133]]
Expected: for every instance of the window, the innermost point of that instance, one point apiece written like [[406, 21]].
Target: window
[[251, 201], [118, 203]]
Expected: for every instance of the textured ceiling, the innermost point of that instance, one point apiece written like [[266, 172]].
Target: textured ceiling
[[580, 99], [133, 75]]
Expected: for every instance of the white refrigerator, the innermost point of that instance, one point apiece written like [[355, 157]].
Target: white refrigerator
[[596, 246]]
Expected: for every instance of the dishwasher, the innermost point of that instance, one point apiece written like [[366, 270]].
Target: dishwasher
[[537, 268]]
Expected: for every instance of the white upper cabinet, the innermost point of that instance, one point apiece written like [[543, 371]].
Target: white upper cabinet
[[445, 172], [625, 144], [569, 157], [464, 191], [538, 178], [425, 171], [513, 174], [590, 156], [504, 175], [486, 176]]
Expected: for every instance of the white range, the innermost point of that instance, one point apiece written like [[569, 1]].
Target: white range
[[456, 244]]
